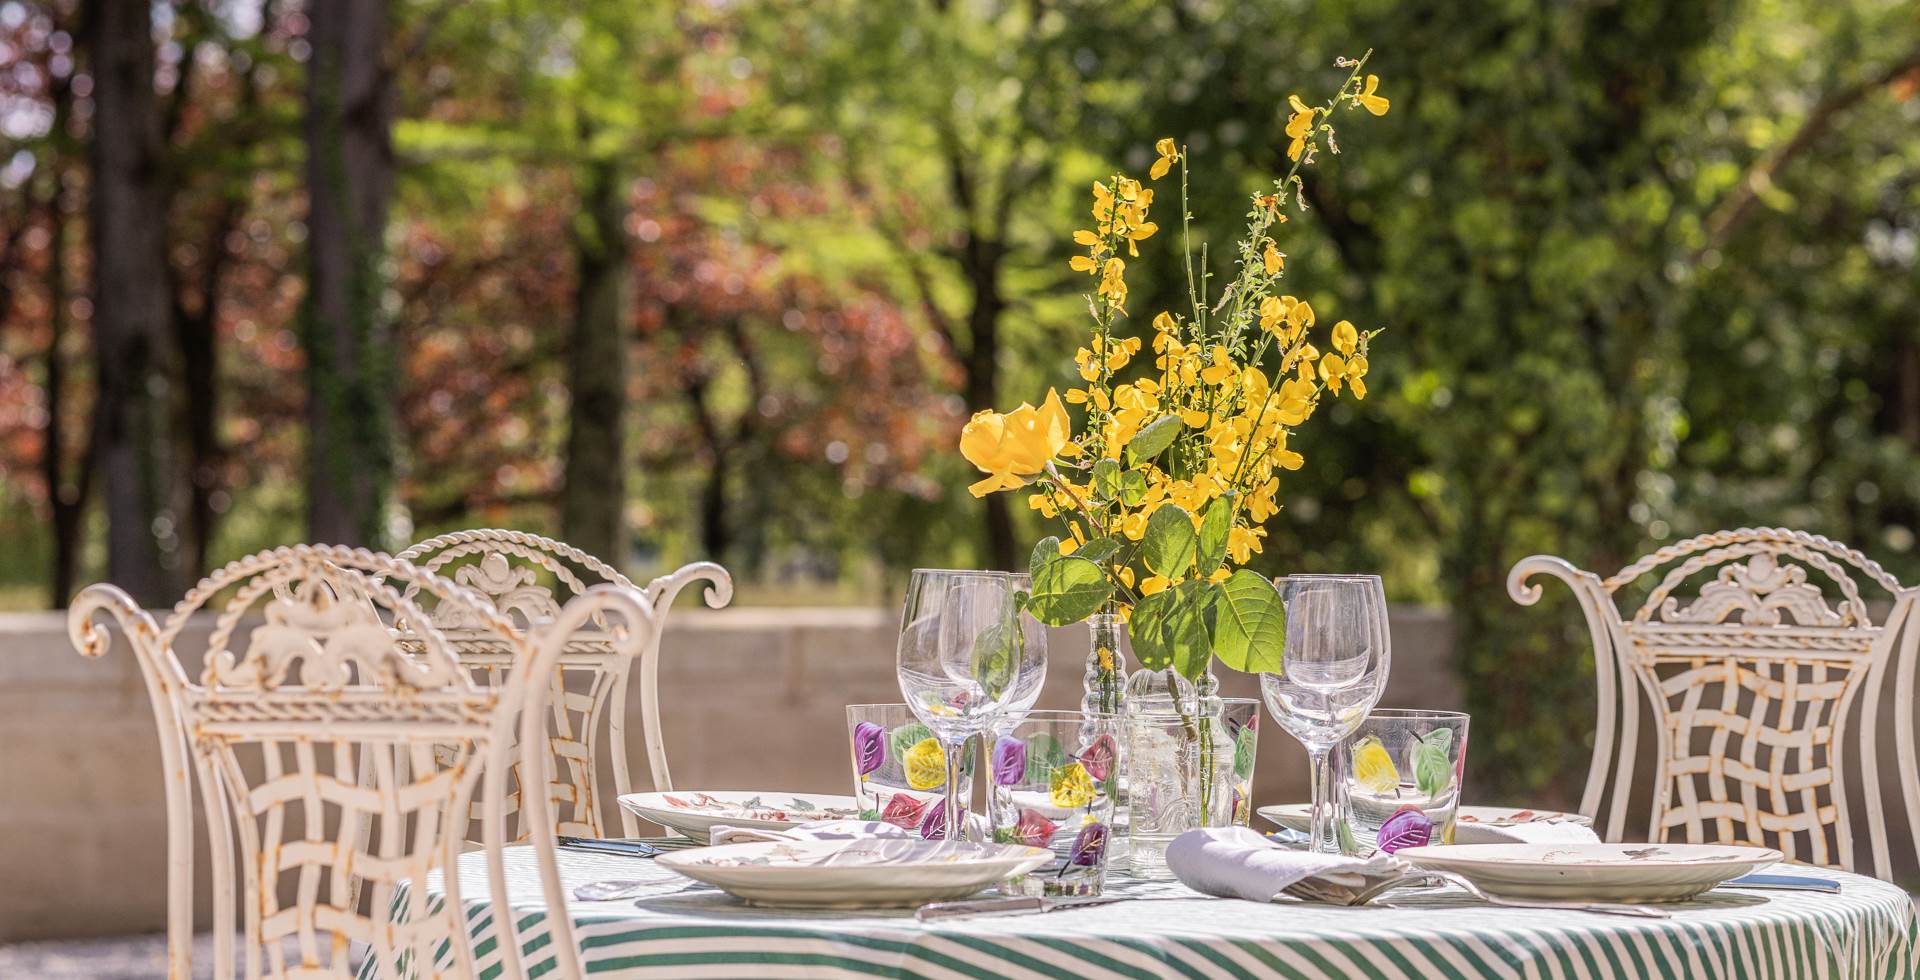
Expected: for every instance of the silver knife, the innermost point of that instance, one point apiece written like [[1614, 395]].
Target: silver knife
[[1010, 905], [1797, 883]]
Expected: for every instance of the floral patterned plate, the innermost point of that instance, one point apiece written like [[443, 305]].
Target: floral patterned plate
[[1594, 872], [695, 814], [889, 872], [1467, 827]]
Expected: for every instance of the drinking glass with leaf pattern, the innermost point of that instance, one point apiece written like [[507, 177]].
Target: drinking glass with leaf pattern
[[1402, 770]]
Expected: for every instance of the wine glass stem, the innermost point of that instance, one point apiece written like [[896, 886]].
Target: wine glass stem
[[956, 821], [1324, 810]]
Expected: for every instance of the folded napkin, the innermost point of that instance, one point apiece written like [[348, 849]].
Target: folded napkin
[[812, 830], [1236, 862]]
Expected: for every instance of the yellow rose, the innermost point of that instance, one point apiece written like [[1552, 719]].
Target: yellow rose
[[1013, 447]]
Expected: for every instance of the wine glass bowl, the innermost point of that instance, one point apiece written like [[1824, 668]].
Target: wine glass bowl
[[1333, 670], [967, 653]]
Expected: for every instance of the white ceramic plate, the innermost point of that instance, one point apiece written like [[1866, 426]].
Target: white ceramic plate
[[867, 873], [695, 813], [1468, 826], [1594, 872]]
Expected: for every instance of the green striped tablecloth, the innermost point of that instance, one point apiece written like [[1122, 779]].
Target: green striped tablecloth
[[684, 929]]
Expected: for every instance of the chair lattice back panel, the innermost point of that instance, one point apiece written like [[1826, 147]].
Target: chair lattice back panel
[[587, 693], [311, 734], [1751, 650]]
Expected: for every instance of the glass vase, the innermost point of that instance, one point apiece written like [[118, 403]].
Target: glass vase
[[1189, 762], [1103, 689]]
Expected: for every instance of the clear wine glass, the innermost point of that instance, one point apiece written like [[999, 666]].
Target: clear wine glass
[[967, 653], [1334, 668]]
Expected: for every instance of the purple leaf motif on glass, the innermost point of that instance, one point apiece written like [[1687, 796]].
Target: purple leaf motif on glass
[[1088, 846], [934, 825], [869, 747], [1407, 828], [1099, 757], [1009, 761]]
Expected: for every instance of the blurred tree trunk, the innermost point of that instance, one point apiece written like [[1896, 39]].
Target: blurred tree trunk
[[132, 306], [980, 258], [350, 450], [196, 323], [595, 491], [66, 502], [716, 533]]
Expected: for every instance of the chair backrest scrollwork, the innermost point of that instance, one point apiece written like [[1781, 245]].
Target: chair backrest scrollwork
[[312, 731], [1764, 666], [588, 690]]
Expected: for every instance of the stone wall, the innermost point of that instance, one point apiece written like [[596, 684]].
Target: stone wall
[[752, 699]]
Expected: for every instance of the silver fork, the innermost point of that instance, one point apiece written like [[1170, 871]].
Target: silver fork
[[1443, 877]]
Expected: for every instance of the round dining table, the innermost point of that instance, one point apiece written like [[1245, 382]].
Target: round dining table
[[671, 926]]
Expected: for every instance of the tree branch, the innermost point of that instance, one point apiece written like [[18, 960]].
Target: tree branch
[[1733, 209]]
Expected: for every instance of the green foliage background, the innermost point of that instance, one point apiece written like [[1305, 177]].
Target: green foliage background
[[1646, 268]]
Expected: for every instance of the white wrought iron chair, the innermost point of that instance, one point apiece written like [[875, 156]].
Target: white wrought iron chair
[[513, 568], [1764, 687], [281, 734]]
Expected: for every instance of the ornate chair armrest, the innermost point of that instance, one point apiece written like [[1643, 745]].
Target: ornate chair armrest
[[1519, 589]]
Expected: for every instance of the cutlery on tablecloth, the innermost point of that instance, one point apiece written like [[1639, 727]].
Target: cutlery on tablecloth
[[1436, 878], [1010, 905], [1785, 883], [619, 846]]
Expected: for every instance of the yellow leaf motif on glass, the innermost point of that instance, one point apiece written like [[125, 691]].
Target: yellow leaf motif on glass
[[1373, 767], [1071, 787], [926, 765]]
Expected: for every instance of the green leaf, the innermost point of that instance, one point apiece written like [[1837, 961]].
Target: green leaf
[[1243, 747], [1133, 488], [1169, 629], [1439, 738], [1215, 525], [1044, 755], [1106, 479], [1046, 550], [1251, 633], [1344, 833], [1153, 438], [1099, 549], [1067, 590], [905, 737], [1170, 542], [1431, 771], [995, 653]]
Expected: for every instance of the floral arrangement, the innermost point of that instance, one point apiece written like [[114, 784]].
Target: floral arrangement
[[1164, 487]]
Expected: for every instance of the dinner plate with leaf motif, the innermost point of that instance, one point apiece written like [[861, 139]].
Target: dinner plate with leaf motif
[[695, 814], [1593, 872], [868, 872]]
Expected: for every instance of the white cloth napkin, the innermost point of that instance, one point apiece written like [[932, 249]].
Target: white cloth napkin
[[812, 830], [1236, 862]]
